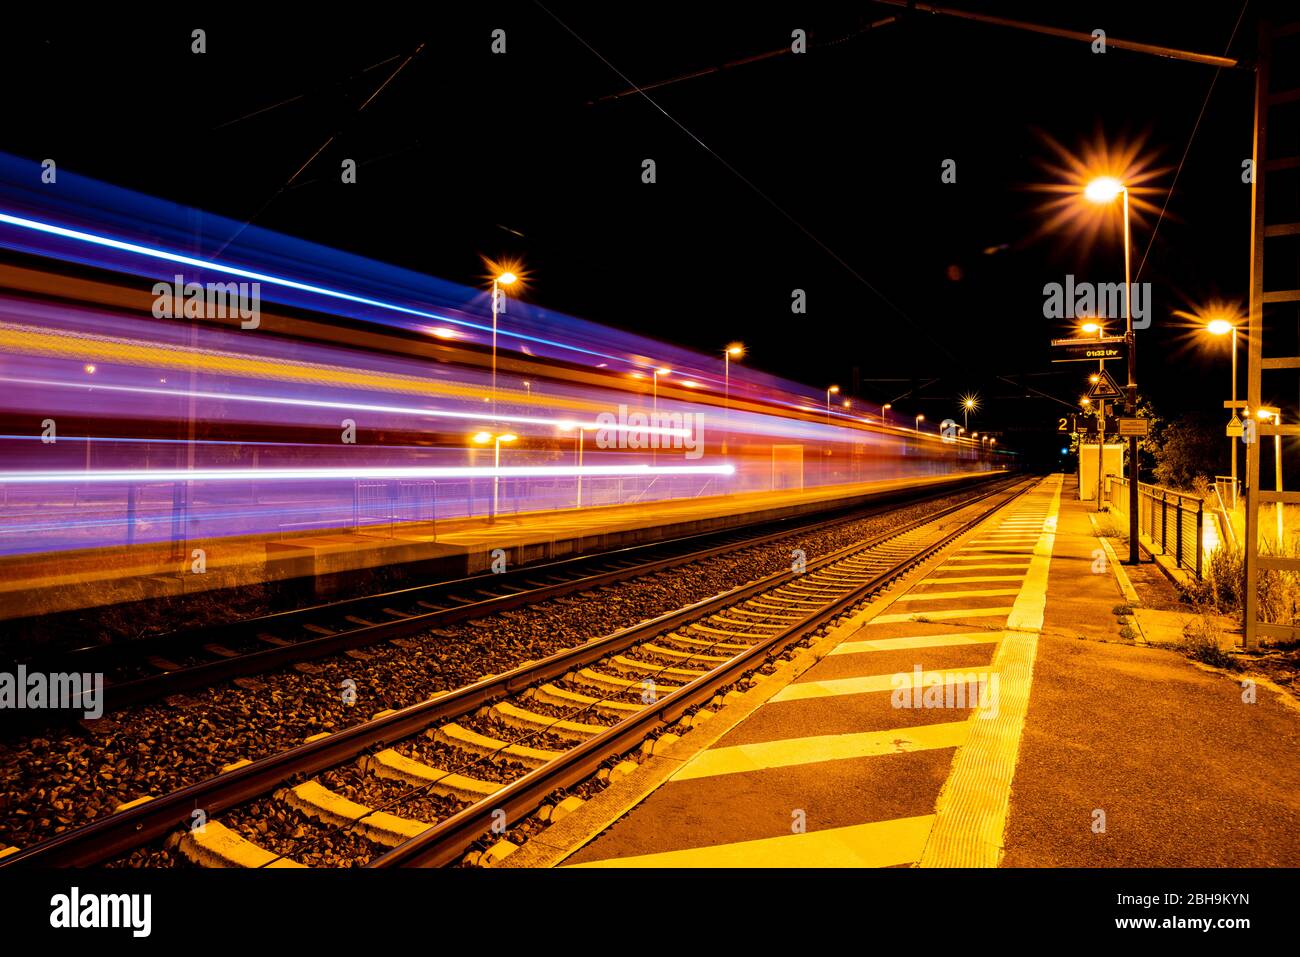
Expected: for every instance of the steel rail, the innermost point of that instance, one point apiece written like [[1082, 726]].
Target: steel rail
[[118, 833], [446, 842], [122, 694]]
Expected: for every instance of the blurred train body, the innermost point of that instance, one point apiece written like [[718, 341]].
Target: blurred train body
[[337, 409]]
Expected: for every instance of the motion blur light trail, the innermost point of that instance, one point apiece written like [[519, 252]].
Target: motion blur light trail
[[344, 407]]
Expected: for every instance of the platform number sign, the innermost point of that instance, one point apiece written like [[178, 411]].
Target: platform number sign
[[1067, 424]]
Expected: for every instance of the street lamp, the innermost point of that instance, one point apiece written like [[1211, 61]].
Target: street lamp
[[483, 438], [1223, 327], [884, 419], [920, 417], [969, 404], [500, 279], [830, 391], [1104, 189]]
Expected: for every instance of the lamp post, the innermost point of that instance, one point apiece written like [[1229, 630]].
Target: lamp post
[[483, 438], [582, 431], [884, 418], [1088, 328], [499, 280], [734, 351], [654, 408], [1104, 190], [661, 370], [920, 417], [830, 391]]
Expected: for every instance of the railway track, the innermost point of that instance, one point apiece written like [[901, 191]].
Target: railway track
[[441, 774], [156, 667]]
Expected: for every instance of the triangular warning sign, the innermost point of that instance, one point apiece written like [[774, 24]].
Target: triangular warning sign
[[1105, 388]]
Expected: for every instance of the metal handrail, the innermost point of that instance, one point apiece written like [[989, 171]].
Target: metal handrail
[[1154, 495], [1223, 508]]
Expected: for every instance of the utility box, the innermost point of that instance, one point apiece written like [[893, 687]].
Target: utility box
[[1112, 462]]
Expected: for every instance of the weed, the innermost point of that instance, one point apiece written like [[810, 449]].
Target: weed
[[1201, 637]]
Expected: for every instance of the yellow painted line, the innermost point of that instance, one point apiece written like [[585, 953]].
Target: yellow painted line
[[878, 844], [1014, 559], [909, 642], [792, 752], [973, 806], [940, 615], [944, 580], [952, 595], [871, 684]]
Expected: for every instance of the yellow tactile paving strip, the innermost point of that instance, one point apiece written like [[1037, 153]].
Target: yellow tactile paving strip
[[773, 758], [972, 811]]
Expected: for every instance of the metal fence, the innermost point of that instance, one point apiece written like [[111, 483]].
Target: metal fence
[[394, 501], [1172, 522]]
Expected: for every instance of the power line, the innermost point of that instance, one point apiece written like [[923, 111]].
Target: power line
[[1188, 148], [744, 179]]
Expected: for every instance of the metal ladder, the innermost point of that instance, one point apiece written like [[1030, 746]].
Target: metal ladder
[[1278, 44]]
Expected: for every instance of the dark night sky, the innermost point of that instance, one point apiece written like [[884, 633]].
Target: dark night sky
[[844, 143]]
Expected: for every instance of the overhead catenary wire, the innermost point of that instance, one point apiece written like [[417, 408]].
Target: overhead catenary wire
[[898, 310]]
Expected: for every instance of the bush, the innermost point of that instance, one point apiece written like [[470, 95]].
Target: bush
[[1201, 638]]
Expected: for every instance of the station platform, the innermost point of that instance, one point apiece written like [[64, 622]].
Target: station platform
[[861, 752], [320, 564]]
